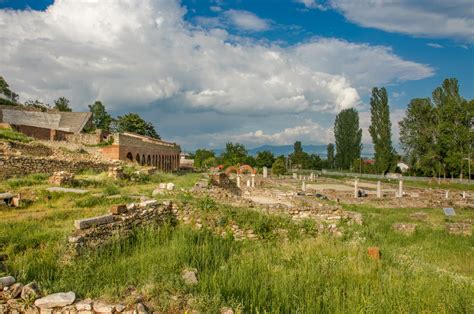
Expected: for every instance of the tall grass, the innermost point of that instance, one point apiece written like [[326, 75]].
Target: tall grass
[[11, 135]]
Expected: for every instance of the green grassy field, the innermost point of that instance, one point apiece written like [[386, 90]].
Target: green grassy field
[[429, 271]]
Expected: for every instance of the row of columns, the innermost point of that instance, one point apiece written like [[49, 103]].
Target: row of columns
[[399, 193], [250, 183], [164, 162]]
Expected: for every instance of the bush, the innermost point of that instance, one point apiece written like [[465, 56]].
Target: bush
[[32, 179]]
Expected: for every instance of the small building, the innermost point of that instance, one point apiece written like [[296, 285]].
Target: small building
[[186, 163], [143, 150], [52, 126], [403, 166]]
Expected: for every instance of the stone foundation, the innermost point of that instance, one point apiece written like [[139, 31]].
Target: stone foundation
[[95, 232]]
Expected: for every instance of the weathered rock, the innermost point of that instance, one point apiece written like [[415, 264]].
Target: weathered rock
[[162, 186], [148, 203], [66, 190], [227, 310], [119, 307], [61, 178], [189, 276], [84, 305], [118, 209], [170, 186], [141, 309], [6, 281], [95, 221], [31, 290], [56, 300], [14, 290], [101, 307]]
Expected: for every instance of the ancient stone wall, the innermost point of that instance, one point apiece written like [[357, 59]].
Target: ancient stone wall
[[88, 138], [94, 232], [22, 165]]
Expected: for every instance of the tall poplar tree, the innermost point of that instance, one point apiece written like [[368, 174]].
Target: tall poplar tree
[[330, 152], [381, 130], [348, 138]]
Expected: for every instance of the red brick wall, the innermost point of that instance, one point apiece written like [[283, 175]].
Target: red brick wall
[[38, 133]]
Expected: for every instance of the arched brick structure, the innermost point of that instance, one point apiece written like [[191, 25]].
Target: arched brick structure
[[147, 150], [232, 169], [245, 168]]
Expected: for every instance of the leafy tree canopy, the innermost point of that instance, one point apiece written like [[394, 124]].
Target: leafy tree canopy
[[62, 104], [100, 118], [264, 159], [132, 122]]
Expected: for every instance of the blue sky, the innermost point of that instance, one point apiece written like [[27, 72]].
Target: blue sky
[[257, 72]]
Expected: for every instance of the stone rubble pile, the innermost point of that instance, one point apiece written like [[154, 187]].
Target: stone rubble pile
[[404, 228], [18, 298], [61, 178], [459, 228], [116, 173]]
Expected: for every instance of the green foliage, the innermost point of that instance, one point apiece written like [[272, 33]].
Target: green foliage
[[436, 134], [111, 189], [11, 135], [132, 122], [37, 105], [62, 104], [264, 159], [348, 138], [330, 153], [202, 158], [234, 154], [29, 180], [5, 90], [100, 118], [278, 167], [207, 204], [381, 131]]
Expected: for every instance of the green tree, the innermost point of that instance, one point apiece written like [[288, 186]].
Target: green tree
[[234, 154], [299, 159], [314, 162], [62, 104], [100, 118], [278, 167], [132, 122], [348, 138], [436, 134], [330, 152], [264, 159], [202, 155], [418, 137], [10, 98], [381, 130]]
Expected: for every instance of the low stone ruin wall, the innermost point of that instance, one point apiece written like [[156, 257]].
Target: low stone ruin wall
[[21, 165], [94, 232]]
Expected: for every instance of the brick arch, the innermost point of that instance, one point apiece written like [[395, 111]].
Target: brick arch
[[148, 160], [130, 157], [231, 169], [143, 160], [137, 158], [244, 168]]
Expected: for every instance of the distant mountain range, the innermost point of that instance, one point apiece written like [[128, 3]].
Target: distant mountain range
[[277, 150]]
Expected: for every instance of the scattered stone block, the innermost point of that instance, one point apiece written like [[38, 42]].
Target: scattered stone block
[[162, 186], [148, 203], [227, 310], [141, 309], [116, 173], [14, 290], [119, 308], [66, 190], [60, 299], [61, 178], [101, 307], [189, 276], [157, 192], [95, 221], [31, 290], [374, 253], [6, 281], [84, 305], [404, 228], [118, 209], [170, 186]]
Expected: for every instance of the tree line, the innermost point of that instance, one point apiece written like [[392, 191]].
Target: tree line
[[101, 119], [436, 135]]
